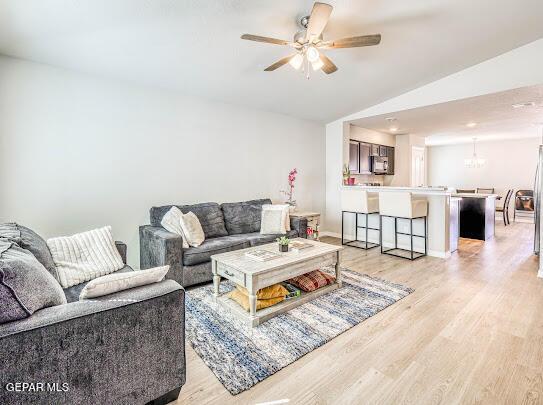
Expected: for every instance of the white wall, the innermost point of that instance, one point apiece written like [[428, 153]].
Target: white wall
[[510, 164], [404, 157], [78, 152]]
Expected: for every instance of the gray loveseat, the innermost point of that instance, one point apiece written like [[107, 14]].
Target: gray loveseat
[[227, 227], [124, 348]]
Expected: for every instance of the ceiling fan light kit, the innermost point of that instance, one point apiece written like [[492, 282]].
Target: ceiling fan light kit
[[309, 43]]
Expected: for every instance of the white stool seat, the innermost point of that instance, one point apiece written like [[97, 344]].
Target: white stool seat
[[402, 205], [358, 204], [419, 207], [372, 204], [360, 201]]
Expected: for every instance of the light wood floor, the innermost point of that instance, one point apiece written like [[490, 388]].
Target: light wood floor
[[472, 332]]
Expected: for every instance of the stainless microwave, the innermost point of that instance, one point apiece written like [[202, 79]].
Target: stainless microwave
[[379, 165]]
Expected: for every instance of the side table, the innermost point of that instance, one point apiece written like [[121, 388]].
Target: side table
[[313, 222]]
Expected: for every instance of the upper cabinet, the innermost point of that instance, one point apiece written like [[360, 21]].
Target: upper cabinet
[[362, 156], [365, 158], [390, 156], [354, 157]]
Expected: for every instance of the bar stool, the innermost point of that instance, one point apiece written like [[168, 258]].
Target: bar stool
[[358, 202], [402, 205]]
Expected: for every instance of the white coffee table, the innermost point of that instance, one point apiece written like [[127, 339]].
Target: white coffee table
[[255, 275]]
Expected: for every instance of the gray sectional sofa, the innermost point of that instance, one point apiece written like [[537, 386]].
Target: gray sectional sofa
[[227, 227], [123, 348]]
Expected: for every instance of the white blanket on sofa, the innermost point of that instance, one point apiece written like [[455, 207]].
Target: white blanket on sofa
[[85, 256]]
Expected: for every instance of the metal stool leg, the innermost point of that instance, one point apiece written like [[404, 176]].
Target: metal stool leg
[[395, 233], [425, 238], [381, 232], [411, 232], [342, 237]]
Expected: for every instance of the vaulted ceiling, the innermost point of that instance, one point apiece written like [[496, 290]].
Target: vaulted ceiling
[[193, 46]]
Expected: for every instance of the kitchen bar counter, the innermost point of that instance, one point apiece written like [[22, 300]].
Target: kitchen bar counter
[[438, 227], [477, 216], [474, 195], [476, 212], [414, 190]]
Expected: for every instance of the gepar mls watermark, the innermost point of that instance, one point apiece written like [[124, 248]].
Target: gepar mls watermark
[[39, 386]]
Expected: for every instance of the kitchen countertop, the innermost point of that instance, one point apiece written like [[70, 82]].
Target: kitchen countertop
[[414, 190], [474, 195], [421, 191]]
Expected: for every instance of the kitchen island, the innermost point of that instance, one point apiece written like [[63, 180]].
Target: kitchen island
[[477, 215]]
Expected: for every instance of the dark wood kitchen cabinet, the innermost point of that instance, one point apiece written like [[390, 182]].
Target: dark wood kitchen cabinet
[[365, 158], [390, 156], [354, 157], [361, 155]]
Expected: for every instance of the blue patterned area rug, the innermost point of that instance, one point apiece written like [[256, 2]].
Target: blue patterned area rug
[[241, 357]]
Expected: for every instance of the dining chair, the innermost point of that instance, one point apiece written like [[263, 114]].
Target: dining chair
[[505, 208], [485, 190]]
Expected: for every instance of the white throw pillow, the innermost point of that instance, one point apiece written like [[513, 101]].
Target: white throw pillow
[[274, 219], [192, 229], [116, 282], [171, 221], [84, 256]]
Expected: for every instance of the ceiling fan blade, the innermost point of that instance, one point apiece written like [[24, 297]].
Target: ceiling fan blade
[[352, 42], [267, 40], [328, 66], [279, 63], [318, 20]]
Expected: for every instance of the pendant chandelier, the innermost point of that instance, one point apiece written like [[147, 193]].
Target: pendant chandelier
[[474, 162]]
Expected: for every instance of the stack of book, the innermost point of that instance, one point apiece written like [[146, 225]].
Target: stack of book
[[297, 246], [261, 255], [293, 291]]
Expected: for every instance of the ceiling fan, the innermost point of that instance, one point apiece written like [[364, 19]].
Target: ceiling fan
[[309, 43]]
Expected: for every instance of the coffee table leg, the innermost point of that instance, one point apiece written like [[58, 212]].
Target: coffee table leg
[[216, 278], [338, 268], [252, 304]]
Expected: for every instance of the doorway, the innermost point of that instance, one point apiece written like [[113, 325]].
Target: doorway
[[418, 167]]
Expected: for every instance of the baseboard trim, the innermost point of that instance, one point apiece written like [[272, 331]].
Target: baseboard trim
[[332, 234], [432, 253], [441, 255]]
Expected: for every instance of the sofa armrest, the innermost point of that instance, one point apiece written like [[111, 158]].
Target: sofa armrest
[[122, 248], [299, 224], [122, 348], [158, 247]]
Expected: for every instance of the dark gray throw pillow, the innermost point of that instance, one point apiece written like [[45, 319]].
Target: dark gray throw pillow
[[209, 214], [243, 217], [25, 285], [36, 245], [31, 241]]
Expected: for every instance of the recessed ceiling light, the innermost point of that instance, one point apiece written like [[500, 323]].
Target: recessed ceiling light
[[471, 124], [522, 105]]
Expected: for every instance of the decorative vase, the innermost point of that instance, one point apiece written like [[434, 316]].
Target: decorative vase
[[351, 181], [283, 248]]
